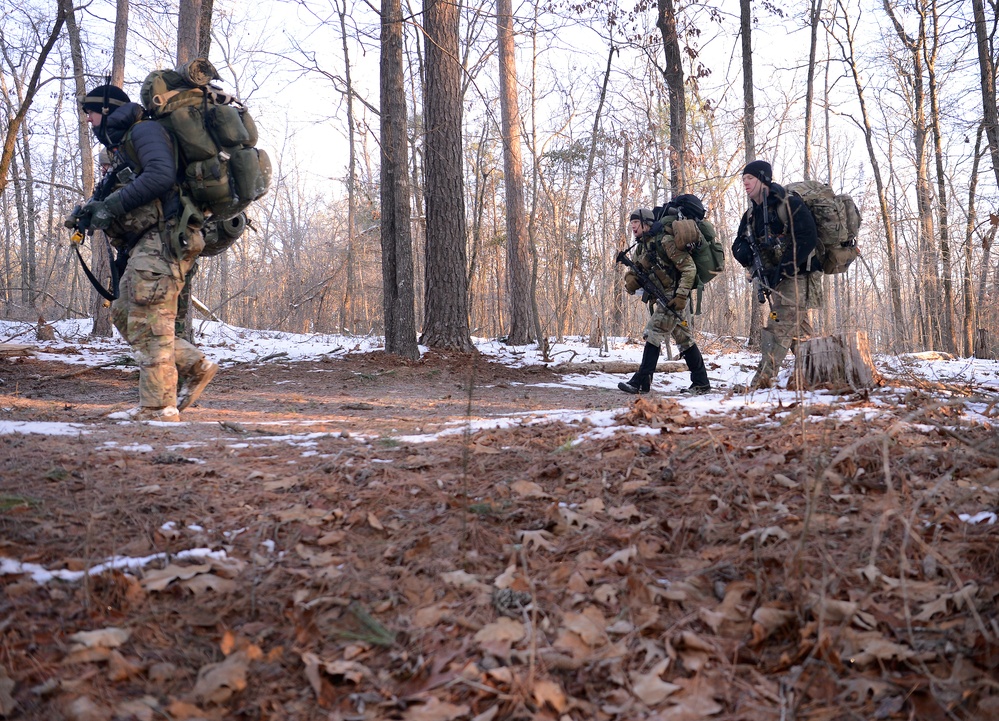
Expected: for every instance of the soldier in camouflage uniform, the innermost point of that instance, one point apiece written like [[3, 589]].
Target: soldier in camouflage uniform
[[662, 253], [791, 272], [143, 219]]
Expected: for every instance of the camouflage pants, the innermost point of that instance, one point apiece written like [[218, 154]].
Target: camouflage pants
[[146, 311], [792, 300], [663, 325]]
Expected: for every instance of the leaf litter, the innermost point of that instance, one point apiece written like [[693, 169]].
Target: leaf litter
[[806, 565]]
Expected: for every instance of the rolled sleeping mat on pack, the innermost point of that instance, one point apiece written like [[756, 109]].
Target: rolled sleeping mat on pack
[[220, 234]]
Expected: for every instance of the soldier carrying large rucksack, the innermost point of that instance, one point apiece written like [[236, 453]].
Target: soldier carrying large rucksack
[[664, 274]]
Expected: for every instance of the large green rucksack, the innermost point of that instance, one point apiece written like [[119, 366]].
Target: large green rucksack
[[837, 223], [707, 252], [220, 169]]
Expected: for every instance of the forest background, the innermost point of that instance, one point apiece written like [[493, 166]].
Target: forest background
[[504, 217]]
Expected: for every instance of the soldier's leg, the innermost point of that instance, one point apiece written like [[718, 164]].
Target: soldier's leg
[[148, 310], [691, 355], [657, 332]]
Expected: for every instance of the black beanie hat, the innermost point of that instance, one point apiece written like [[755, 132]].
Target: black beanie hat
[[760, 169], [94, 100]]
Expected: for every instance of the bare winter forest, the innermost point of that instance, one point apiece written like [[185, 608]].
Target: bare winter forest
[[607, 107]]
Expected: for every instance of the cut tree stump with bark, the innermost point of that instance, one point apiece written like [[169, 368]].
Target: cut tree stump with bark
[[982, 350], [836, 362]]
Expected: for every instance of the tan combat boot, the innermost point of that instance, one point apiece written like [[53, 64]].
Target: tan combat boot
[[194, 383]]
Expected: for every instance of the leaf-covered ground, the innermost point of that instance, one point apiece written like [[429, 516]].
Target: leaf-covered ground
[[293, 551]]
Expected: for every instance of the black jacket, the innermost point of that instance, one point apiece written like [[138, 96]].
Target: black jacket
[[792, 258], [146, 147]]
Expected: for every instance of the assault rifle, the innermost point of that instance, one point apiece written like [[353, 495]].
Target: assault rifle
[[79, 223], [766, 283], [648, 284]]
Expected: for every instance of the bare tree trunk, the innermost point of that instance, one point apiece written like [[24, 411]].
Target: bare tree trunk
[[814, 14], [205, 28], [673, 75], [14, 125], [899, 322], [188, 22], [617, 296], [347, 298], [446, 299], [968, 329], [564, 303], [927, 277], [396, 238], [749, 139], [948, 321], [518, 255], [120, 43], [987, 72]]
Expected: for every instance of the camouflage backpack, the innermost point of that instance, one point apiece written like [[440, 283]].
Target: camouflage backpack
[[837, 223], [707, 252], [220, 169]]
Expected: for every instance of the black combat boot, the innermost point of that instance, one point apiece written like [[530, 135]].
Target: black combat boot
[[641, 382], [699, 383]]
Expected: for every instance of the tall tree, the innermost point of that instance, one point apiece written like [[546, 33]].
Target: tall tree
[[518, 253], [848, 52], [813, 17], [188, 25], [446, 296], [17, 118], [987, 76], [398, 299], [749, 140], [926, 267], [673, 75]]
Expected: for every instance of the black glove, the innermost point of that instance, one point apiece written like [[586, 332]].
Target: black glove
[[103, 212], [79, 219]]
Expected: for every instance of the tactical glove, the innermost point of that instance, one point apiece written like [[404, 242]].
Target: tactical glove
[[102, 212], [678, 302], [78, 219]]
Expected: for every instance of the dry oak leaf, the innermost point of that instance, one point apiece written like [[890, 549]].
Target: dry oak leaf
[[528, 489], [463, 580], [537, 539], [435, 710], [209, 582], [694, 702], [121, 668], [218, 681], [7, 702], [144, 709], [649, 688], [549, 692], [592, 506], [694, 651], [623, 557], [430, 616], [183, 711], [762, 535], [590, 626], [103, 638], [83, 709], [624, 513], [872, 646], [158, 579], [503, 630], [767, 621], [375, 523]]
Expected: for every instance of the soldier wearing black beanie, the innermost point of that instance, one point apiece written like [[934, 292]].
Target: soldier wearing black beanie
[[779, 231]]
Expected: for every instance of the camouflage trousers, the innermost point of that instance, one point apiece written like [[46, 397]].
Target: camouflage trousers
[[792, 300], [663, 325], [146, 311]]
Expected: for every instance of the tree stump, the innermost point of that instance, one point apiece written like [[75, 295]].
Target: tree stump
[[837, 362], [982, 350]]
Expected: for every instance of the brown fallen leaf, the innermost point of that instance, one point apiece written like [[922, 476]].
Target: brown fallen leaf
[[435, 710], [649, 688], [7, 703], [121, 668], [550, 693], [103, 638], [218, 681], [528, 489], [158, 579]]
